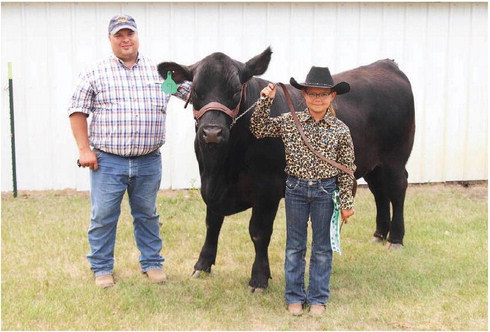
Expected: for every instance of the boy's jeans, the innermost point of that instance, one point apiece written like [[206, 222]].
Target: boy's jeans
[[308, 199], [140, 176]]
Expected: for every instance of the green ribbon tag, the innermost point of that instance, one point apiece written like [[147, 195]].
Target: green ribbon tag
[[334, 224], [169, 86]]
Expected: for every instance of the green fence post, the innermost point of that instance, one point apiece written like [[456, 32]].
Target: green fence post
[[12, 128]]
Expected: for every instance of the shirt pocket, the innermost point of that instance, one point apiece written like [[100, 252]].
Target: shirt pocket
[[108, 94], [157, 98], [328, 140]]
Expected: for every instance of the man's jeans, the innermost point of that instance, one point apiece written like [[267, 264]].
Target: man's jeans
[[140, 176], [308, 199]]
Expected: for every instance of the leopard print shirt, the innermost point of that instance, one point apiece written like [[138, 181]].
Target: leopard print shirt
[[329, 135]]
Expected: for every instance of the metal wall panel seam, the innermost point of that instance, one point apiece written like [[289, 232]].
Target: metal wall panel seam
[[466, 132], [421, 133], [445, 102]]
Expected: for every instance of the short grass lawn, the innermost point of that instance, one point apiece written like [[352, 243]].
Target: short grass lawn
[[438, 281]]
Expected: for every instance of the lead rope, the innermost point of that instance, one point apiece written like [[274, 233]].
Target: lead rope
[[245, 112]]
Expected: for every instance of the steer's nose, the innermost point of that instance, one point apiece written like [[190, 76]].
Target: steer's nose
[[212, 134]]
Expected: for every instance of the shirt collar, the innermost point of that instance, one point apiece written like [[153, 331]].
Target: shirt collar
[[122, 62], [306, 117]]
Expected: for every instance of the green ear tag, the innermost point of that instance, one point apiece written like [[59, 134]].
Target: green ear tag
[[169, 86]]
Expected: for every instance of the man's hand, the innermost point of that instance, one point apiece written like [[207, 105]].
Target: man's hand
[[346, 214], [88, 158]]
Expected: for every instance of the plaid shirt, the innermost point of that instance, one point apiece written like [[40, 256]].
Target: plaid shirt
[[329, 136], [127, 105]]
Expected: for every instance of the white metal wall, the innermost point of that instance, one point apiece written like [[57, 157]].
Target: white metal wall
[[442, 47]]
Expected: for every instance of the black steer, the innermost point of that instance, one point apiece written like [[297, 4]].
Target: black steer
[[239, 171]]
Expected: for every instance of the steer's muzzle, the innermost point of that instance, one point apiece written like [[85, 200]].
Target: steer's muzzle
[[212, 134]]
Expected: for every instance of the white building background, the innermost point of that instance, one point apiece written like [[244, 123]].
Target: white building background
[[441, 47]]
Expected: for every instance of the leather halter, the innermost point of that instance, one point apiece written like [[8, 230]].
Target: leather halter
[[217, 106]]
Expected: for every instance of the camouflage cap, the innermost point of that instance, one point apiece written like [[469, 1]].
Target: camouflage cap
[[119, 22]]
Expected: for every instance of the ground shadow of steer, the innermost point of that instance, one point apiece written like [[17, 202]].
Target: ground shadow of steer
[[239, 171]]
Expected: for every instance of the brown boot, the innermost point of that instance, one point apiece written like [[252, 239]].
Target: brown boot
[[295, 309], [104, 281], [317, 309], [156, 276]]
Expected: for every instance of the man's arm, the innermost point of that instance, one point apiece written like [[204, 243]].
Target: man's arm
[[79, 128], [79, 110]]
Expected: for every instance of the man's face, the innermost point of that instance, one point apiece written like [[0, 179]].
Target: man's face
[[125, 44]]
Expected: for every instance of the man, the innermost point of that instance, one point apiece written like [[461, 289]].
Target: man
[[127, 129]]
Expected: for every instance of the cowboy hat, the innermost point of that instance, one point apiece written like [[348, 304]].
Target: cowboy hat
[[319, 77]]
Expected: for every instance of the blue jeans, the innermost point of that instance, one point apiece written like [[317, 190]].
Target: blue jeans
[[140, 176], [308, 199]]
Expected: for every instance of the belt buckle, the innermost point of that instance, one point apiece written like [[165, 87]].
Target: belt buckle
[[310, 183]]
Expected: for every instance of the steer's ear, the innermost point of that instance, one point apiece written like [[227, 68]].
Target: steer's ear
[[179, 73], [257, 65]]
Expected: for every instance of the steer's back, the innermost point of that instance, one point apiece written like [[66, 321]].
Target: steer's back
[[379, 111]]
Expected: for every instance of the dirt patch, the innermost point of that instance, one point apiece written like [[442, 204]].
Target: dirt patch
[[173, 193], [472, 189], [477, 191], [25, 194]]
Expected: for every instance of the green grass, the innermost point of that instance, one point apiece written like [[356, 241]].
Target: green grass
[[438, 281]]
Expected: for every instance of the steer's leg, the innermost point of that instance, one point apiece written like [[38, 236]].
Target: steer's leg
[[260, 228], [210, 247], [376, 182], [397, 186]]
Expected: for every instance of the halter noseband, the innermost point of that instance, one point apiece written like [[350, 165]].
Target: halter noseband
[[217, 106]]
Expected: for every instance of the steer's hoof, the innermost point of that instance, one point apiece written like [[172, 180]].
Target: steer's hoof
[[376, 239], [395, 246], [257, 290], [198, 274]]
